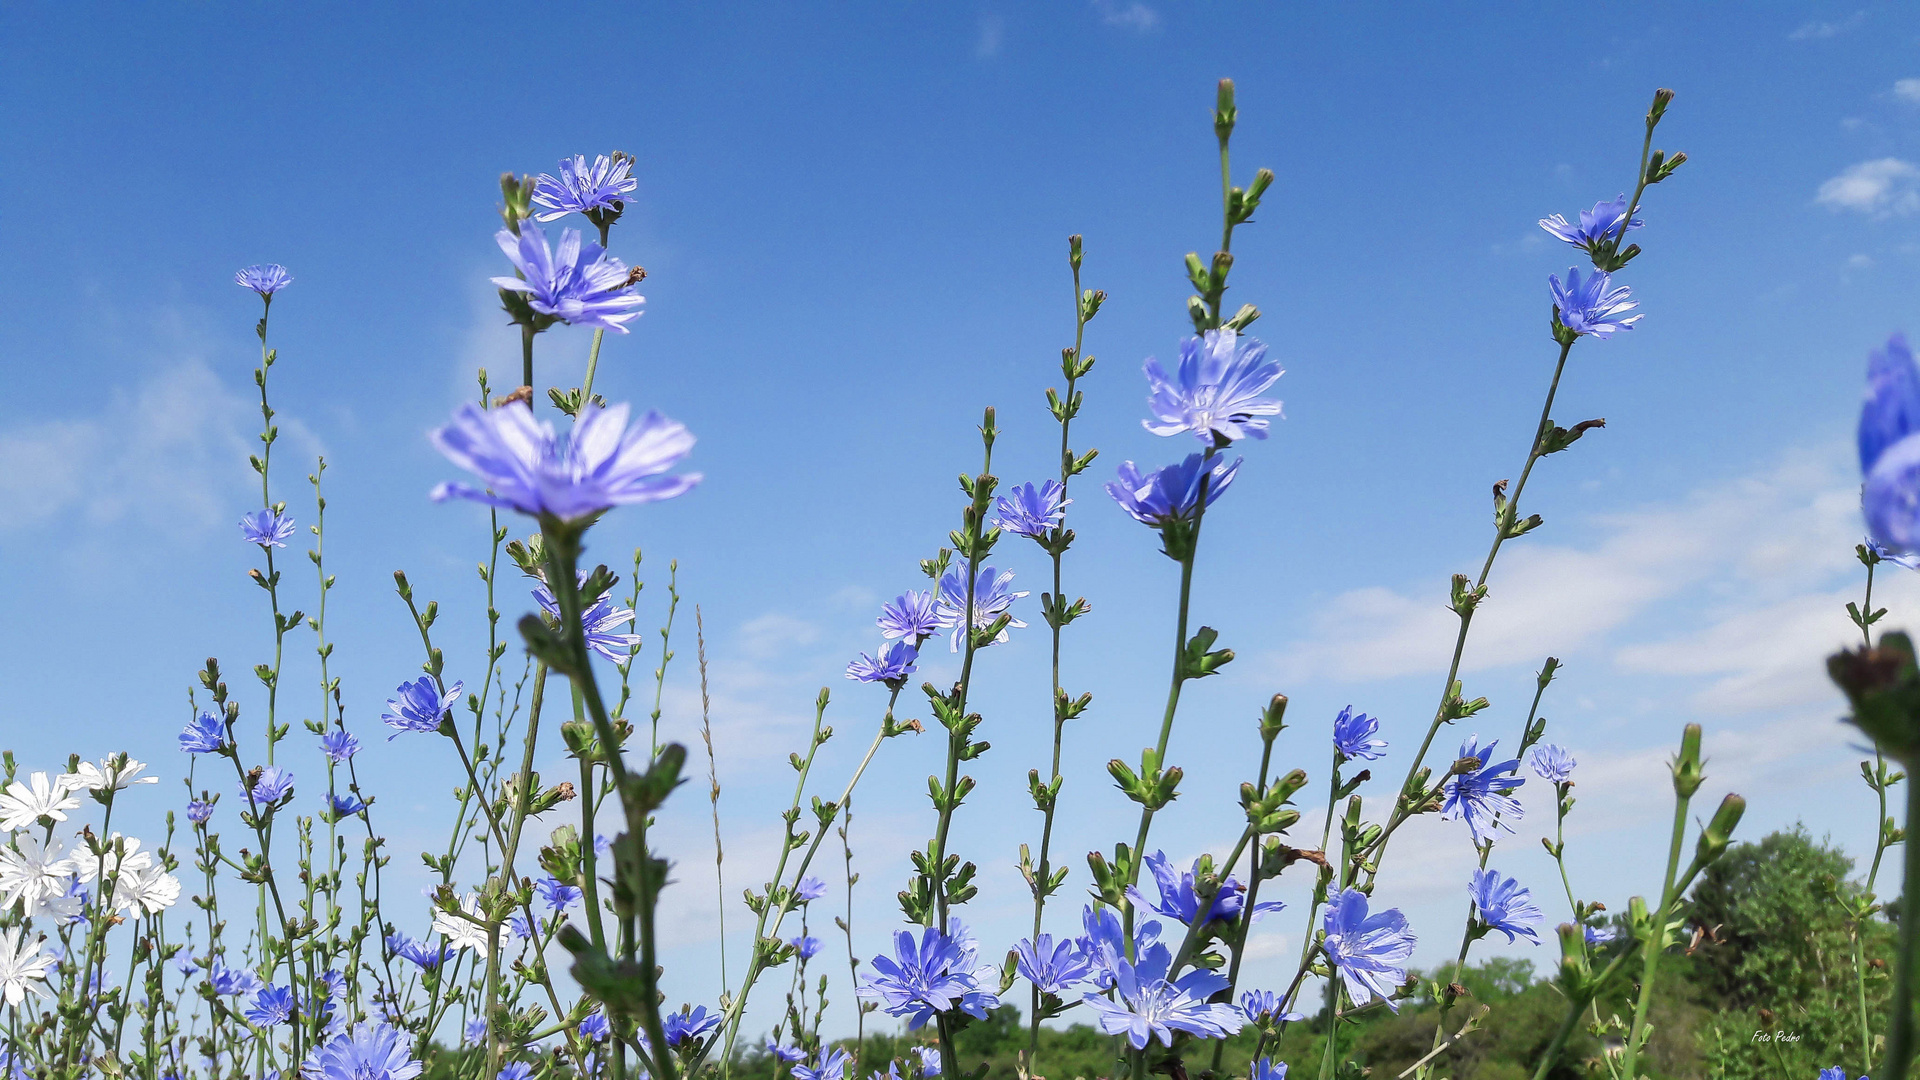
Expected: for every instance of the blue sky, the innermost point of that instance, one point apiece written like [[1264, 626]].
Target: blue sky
[[854, 222]]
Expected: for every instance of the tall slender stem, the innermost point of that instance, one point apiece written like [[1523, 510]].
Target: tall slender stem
[[1657, 945], [1900, 1042]]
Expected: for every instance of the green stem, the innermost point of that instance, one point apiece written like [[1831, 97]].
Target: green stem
[[1900, 1028], [593, 363], [1656, 947], [526, 358]]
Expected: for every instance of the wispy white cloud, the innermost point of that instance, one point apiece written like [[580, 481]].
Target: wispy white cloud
[[1135, 16], [1879, 187], [1760, 552], [989, 35], [167, 455], [1819, 29], [1907, 90]]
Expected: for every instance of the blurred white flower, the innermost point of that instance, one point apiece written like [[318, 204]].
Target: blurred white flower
[[22, 967], [41, 795]]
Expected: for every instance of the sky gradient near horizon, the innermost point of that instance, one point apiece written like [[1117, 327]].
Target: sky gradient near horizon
[[854, 221]]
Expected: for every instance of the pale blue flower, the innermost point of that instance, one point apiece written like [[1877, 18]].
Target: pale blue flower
[[806, 946], [1266, 1005], [1483, 797], [424, 954], [1505, 905], [601, 464], [788, 1054], [1215, 392], [419, 706], [595, 1026], [339, 745], [1552, 763], [577, 283], [1104, 943], [264, 278], [369, 1051], [581, 187], [809, 889], [1911, 562], [894, 660], [1369, 951], [933, 975], [1889, 450], [1597, 226], [1171, 493], [1149, 1006], [1598, 935], [1267, 1069], [929, 1058], [1051, 967], [992, 597], [515, 1070], [204, 734], [1353, 736], [1030, 511], [601, 620], [833, 1066], [232, 982], [1179, 901], [273, 784], [345, 806], [909, 615], [688, 1025], [198, 812], [272, 1005], [557, 895], [268, 528], [475, 1031], [1592, 305]]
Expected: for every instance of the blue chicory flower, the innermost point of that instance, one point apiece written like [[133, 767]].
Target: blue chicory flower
[[334, 983], [1911, 562], [339, 745], [892, 661], [1597, 226], [1598, 935], [272, 1005], [594, 1026], [1171, 493], [419, 706], [344, 806], [368, 1051], [1267, 1069], [1592, 305], [1032, 512], [581, 187], [1505, 905], [931, 976], [600, 620], [1052, 968], [1149, 1006], [1483, 797], [833, 1066], [992, 597], [1104, 943], [268, 528], [423, 954], [603, 463], [909, 615], [1260, 1006], [1215, 392], [557, 895], [1369, 951], [1178, 900], [198, 812], [263, 278], [805, 946], [515, 1070], [273, 784], [809, 889], [688, 1025], [1353, 736], [204, 734], [577, 282], [929, 1059], [1889, 452], [1553, 763], [232, 982], [788, 1054]]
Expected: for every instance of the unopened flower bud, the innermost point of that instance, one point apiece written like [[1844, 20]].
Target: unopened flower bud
[[1687, 773]]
